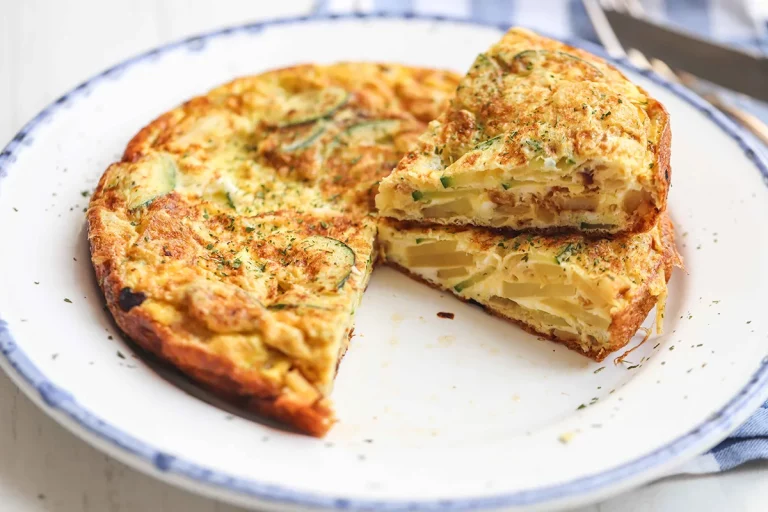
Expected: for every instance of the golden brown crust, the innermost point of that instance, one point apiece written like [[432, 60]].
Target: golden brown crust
[[410, 95], [531, 103], [626, 323], [217, 373], [662, 167], [414, 98]]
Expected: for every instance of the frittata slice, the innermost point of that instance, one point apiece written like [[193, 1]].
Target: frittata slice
[[539, 136], [591, 295], [235, 237]]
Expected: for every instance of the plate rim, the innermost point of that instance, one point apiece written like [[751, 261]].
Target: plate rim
[[63, 406]]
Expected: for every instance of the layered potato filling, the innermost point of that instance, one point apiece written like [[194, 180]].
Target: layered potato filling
[[591, 195], [568, 287]]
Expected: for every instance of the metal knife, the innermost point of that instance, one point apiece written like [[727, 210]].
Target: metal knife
[[741, 71]]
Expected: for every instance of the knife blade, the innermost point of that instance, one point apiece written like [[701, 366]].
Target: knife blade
[[734, 69]]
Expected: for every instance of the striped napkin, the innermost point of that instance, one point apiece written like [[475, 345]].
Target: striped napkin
[[742, 23]]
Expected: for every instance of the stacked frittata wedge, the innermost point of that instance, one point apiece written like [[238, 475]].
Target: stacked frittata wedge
[[540, 193]]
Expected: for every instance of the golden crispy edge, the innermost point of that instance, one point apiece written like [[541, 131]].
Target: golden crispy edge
[[623, 326], [662, 169], [216, 373]]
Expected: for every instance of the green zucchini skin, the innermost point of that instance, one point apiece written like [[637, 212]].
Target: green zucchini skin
[[371, 131], [303, 143], [336, 260], [471, 281], [544, 53], [282, 305], [315, 106], [160, 179]]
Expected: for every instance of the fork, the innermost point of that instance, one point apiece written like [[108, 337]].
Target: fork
[[614, 48]]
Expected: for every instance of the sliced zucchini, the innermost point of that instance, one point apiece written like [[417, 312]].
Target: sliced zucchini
[[369, 132], [530, 54], [467, 283], [486, 72], [513, 183], [312, 105], [153, 178], [482, 146], [333, 259], [222, 192], [230, 201], [306, 141]]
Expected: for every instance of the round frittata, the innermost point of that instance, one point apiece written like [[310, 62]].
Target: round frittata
[[235, 237]]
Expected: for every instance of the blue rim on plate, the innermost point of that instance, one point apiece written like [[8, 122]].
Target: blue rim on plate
[[717, 426]]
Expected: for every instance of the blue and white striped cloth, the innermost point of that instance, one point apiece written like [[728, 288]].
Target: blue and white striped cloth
[[742, 23], [737, 22]]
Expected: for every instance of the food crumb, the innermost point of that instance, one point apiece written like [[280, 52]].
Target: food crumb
[[445, 314], [566, 437]]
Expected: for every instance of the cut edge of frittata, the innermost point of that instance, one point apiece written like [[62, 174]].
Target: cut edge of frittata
[[540, 136], [590, 295]]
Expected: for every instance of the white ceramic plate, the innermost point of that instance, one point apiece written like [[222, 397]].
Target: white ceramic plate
[[435, 414]]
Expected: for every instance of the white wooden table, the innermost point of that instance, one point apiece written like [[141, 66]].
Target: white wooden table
[[48, 47]]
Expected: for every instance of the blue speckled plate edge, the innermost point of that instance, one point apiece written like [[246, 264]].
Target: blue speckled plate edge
[[64, 407]]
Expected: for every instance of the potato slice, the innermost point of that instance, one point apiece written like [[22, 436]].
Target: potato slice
[[548, 270], [516, 290], [450, 194], [448, 259], [542, 316], [579, 313], [449, 273], [589, 203], [589, 291], [440, 246], [565, 335], [461, 206], [513, 210]]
